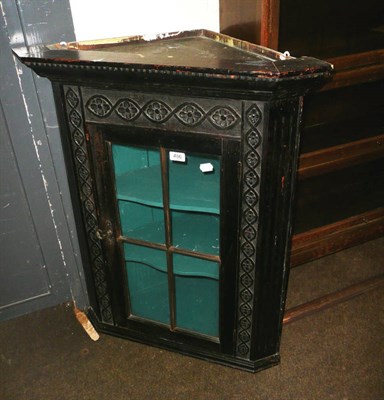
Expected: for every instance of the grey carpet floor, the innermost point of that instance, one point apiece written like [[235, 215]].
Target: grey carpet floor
[[335, 354]]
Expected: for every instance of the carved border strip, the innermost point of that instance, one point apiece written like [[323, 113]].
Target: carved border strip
[[84, 181], [251, 159]]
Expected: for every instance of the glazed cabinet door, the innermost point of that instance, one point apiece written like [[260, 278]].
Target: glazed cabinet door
[[169, 229]]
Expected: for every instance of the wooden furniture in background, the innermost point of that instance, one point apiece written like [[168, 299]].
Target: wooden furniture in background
[[341, 170], [340, 197]]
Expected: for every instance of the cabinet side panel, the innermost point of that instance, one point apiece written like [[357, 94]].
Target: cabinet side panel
[[279, 169], [76, 130]]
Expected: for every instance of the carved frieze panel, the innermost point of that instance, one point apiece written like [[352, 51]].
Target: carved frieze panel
[[211, 116]]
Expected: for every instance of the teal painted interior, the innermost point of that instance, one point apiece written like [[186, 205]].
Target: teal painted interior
[[139, 221], [147, 282], [196, 231], [197, 294], [138, 175], [189, 188], [129, 158], [192, 266], [192, 190], [195, 225]]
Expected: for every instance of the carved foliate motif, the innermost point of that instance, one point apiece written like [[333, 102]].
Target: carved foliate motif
[[79, 150], [251, 178], [246, 295], [72, 98], [249, 233], [127, 109], [251, 150], [75, 118], [243, 349], [253, 138], [223, 117], [100, 106], [245, 323], [246, 280], [157, 111], [254, 116], [190, 114], [252, 159]]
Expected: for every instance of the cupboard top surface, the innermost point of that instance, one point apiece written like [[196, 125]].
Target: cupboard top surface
[[184, 53]]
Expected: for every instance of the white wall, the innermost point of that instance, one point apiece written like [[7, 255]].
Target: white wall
[[97, 19]]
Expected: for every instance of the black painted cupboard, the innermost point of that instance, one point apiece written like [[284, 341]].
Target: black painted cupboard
[[182, 154]]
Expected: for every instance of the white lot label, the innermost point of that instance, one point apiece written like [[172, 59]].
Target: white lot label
[[176, 156], [206, 167]]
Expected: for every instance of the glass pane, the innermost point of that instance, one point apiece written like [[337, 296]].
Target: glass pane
[[190, 188], [147, 282], [138, 175], [196, 231], [142, 222], [194, 191], [139, 192], [197, 294]]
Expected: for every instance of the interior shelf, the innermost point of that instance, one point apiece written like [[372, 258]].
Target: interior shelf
[[141, 186], [198, 232], [195, 231], [189, 190], [142, 222]]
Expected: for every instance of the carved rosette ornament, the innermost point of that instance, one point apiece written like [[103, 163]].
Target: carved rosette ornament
[[190, 114], [84, 181], [252, 147], [223, 117], [127, 109], [100, 106], [157, 111]]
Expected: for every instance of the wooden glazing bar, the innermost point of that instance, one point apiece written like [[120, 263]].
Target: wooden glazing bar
[[208, 257], [324, 302], [142, 243], [172, 249], [168, 236]]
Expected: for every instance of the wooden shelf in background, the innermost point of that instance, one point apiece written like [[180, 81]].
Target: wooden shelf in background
[[330, 300], [328, 239], [341, 156], [356, 68]]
